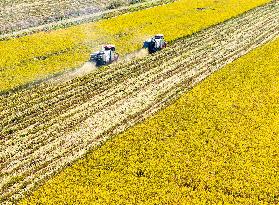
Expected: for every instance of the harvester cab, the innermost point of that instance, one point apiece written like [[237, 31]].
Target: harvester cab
[[105, 56], [155, 43]]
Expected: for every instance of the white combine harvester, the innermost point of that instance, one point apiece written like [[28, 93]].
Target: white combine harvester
[[108, 55], [155, 43], [105, 56]]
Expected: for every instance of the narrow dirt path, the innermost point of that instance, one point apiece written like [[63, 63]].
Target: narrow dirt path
[[48, 126]]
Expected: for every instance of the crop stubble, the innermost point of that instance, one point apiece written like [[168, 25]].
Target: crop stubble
[[48, 126]]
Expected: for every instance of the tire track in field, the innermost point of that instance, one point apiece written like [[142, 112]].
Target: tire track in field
[[58, 141]]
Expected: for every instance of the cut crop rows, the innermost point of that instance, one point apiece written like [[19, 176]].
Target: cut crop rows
[[48, 126]]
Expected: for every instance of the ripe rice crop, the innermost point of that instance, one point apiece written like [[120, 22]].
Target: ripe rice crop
[[28, 58], [48, 126], [217, 144]]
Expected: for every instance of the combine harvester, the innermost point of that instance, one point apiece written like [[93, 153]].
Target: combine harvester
[[155, 43], [107, 54]]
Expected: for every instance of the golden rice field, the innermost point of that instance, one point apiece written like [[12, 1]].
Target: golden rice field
[[47, 126], [218, 144], [25, 59]]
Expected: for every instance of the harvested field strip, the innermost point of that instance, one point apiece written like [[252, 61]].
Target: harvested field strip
[[36, 56], [40, 138], [216, 144]]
